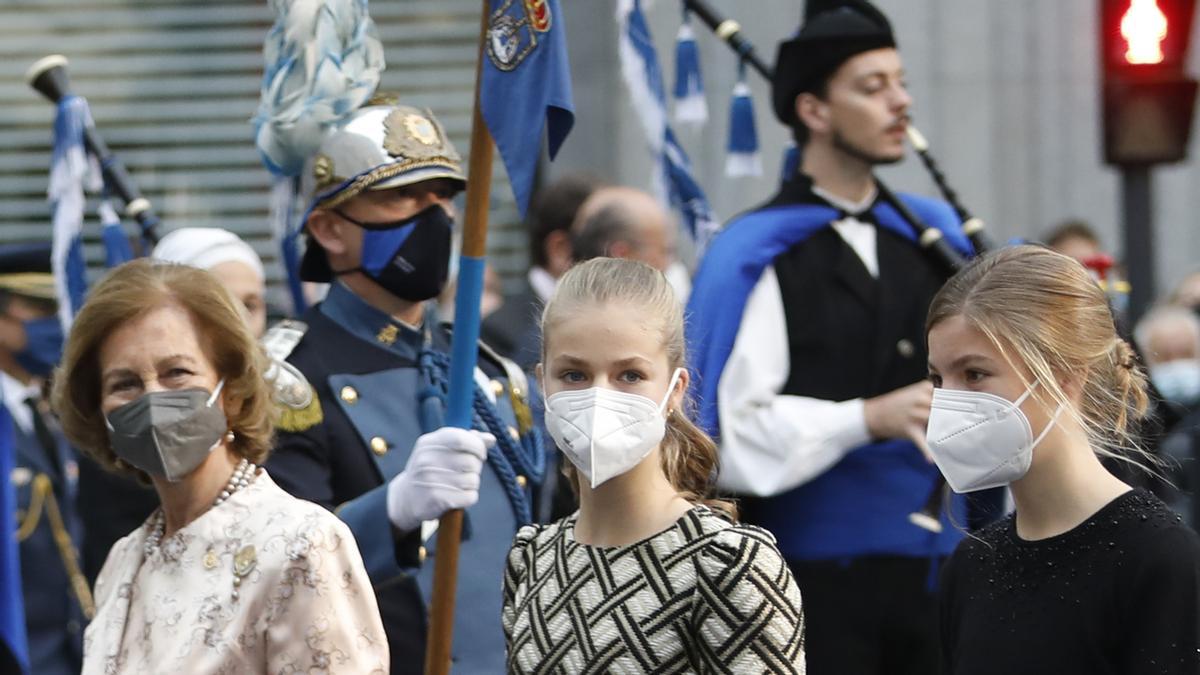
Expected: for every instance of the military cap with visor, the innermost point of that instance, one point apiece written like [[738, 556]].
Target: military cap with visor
[[378, 147]]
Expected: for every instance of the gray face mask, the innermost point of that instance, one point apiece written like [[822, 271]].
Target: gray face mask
[[167, 433]]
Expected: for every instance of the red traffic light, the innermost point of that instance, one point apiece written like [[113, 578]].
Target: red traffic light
[[1144, 27], [1148, 98], [1145, 35]]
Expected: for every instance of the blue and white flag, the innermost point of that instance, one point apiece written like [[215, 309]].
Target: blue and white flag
[[673, 178], [526, 86], [72, 171]]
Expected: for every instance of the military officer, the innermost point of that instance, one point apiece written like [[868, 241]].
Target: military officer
[[45, 472], [370, 443]]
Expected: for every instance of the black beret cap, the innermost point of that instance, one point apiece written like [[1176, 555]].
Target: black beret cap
[[833, 32]]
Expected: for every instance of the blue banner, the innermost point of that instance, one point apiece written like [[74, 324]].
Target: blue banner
[[526, 86]]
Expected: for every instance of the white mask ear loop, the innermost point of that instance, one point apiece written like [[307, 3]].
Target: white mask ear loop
[[216, 393], [1028, 392], [1053, 418], [1049, 426], [670, 389]]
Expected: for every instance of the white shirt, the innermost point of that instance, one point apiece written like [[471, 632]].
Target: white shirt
[[16, 396], [542, 283], [773, 442]]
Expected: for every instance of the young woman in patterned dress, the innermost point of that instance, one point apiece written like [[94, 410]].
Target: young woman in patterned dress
[[650, 575]]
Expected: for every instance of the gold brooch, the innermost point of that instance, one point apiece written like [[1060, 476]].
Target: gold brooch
[[243, 563]]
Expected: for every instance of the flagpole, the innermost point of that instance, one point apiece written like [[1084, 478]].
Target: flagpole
[[464, 352]]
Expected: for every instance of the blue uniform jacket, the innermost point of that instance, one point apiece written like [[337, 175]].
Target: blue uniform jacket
[[358, 434]]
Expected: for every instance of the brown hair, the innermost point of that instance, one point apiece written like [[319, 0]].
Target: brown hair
[[130, 291], [689, 456], [1042, 310]]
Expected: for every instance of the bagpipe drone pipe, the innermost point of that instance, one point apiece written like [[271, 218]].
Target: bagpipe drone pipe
[[49, 77]]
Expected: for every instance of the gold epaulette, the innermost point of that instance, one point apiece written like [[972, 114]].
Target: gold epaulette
[[301, 419], [518, 387]]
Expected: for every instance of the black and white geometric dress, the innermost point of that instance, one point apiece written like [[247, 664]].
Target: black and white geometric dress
[[703, 596]]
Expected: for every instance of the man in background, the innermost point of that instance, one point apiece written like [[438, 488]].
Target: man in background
[[512, 330], [624, 222]]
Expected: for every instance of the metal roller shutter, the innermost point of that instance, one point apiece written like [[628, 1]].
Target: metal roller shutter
[[172, 87]]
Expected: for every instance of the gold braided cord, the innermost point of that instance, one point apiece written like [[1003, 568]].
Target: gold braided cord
[[42, 498]]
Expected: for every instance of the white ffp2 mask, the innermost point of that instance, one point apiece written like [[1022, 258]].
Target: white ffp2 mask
[[605, 432], [980, 440]]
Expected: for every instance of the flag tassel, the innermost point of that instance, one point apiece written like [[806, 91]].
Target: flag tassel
[[691, 108], [743, 158]]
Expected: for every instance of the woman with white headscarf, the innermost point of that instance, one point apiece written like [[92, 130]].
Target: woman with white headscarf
[[230, 259]]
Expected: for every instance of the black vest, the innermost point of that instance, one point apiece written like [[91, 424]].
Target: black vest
[[851, 335]]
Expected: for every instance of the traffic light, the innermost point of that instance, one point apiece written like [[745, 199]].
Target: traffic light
[[1148, 98]]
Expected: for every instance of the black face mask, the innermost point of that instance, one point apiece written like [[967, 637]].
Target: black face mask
[[411, 258]]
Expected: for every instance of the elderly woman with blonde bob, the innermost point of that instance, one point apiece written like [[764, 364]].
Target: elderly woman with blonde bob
[[162, 380]]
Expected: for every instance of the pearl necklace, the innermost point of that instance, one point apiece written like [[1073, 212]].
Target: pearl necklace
[[244, 474]]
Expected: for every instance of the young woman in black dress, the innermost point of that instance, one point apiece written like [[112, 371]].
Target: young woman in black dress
[[1033, 387]]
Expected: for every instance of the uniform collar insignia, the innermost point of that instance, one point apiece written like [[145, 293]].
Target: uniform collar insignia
[[367, 323]]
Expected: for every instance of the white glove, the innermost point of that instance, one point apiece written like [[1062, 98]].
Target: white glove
[[442, 474]]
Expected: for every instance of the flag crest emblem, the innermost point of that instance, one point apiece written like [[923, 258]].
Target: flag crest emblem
[[513, 31]]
